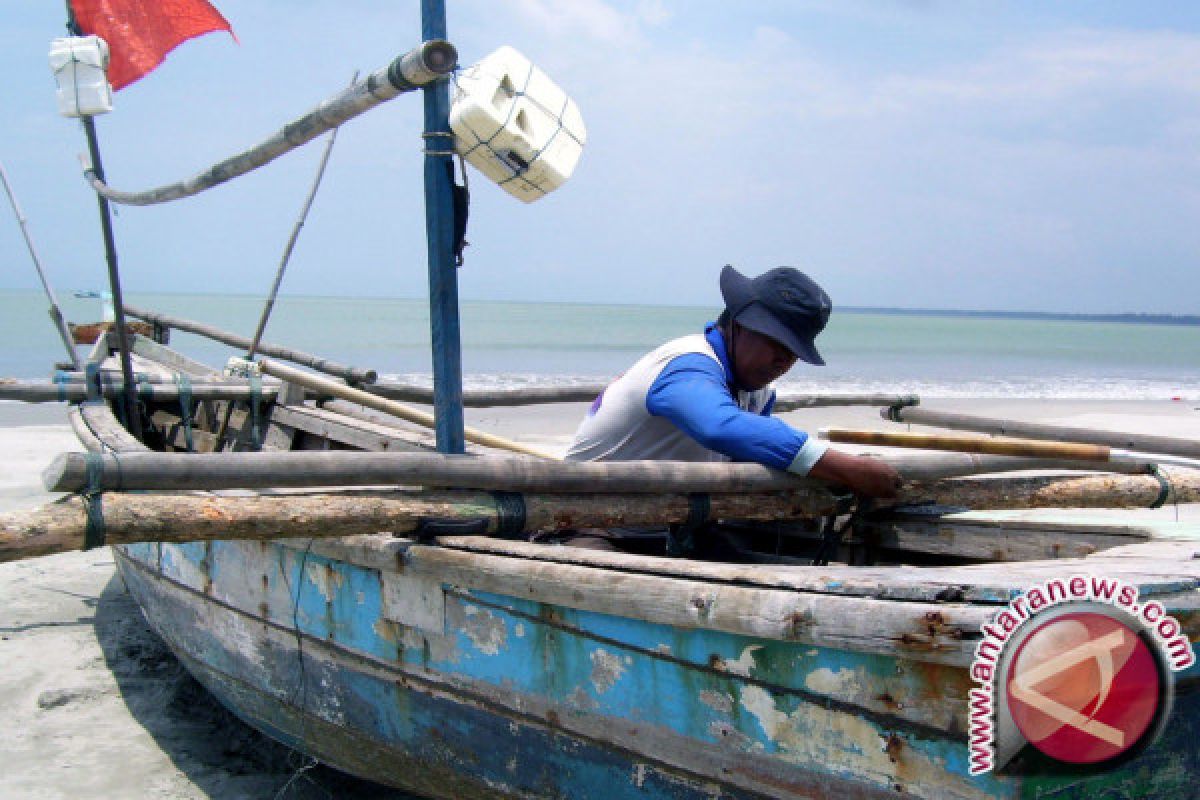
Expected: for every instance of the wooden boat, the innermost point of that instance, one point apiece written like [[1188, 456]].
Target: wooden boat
[[460, 665], [468, 666]]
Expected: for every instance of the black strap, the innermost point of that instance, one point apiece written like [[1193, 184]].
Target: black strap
[[681, 539], [510, 515], [185, 408], [1164, 486], [93, 501]]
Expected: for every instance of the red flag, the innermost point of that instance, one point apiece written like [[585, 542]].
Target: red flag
[[141, 33]]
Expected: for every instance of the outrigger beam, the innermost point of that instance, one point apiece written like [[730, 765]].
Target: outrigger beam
[[421, 66]]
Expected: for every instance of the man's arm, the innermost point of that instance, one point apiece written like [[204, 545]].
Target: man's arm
[[692, 393]]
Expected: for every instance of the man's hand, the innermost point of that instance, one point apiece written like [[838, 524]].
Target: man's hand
[[864, 475]]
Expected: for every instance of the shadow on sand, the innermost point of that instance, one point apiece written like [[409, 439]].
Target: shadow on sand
[[222, 756]]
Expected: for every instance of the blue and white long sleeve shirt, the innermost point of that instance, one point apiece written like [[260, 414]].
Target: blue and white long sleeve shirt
[[678, 403]]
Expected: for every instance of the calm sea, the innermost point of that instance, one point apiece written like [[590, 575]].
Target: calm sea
[[510, 344]]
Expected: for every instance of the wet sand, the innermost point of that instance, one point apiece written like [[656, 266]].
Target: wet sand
[[96, 706]]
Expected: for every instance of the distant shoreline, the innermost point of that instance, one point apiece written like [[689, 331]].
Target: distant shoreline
[[1125, 318]]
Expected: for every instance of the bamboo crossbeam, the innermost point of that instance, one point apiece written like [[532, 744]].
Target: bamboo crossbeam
[[422, 65], [333, 389], [69, 472], [791, 402], [129, 518], [1090, 491], [351, 374], [1143, 443], [44, 392], [486, 398]]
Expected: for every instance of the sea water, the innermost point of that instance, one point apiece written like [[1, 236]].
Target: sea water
[[514, 344]]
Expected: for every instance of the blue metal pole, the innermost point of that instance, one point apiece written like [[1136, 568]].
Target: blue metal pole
[[439, 230]]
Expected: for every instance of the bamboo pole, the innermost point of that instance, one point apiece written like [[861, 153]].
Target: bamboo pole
[[143, 470], [1143, 443], [128, 518], [351, 374], [424, 64], [791, 402], [1028, 448], [968, 444], [483, 398], [326, 386], [56, 316], [43, 392], [1177, 486]]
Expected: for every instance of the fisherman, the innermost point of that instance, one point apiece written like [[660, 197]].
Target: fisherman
[[708, 396]]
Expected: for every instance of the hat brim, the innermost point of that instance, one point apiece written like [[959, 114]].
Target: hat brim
[[760, 320]]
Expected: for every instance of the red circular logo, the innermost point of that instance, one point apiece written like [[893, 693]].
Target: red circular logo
[[1083, 687]]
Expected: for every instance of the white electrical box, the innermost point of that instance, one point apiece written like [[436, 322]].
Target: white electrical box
[[80, 65], [516, 126]]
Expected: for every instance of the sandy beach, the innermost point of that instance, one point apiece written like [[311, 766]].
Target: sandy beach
[[97, 707]]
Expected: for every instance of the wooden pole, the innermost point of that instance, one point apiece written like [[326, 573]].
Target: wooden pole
[[439, 233], [43, 392], [483, 398], [129, 518], [1027, 448], [333, 389], [178, 471], [969, 444], [133, 417], [350, 374], [1143, 443], [1090, 491], [426, 63], [791, 402], [56, 316]]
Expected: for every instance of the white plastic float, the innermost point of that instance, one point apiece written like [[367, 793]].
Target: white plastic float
[[516, 126], [80, 65]]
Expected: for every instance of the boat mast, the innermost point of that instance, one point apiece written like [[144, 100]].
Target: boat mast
[[439, 231], [132, 415]]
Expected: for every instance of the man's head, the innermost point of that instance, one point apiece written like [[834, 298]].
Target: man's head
[[772, 320]]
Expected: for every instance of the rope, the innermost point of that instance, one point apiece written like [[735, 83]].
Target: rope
[[681, 539], [255, 410], [185, 408], [1164, 487], [520, 167], [93, 501], [510, 515], [91, 374]]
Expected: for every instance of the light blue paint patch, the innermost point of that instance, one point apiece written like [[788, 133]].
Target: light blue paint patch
[[182, 561], [143, 552]]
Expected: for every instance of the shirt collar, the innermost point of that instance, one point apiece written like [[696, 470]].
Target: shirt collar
[[713, 335]]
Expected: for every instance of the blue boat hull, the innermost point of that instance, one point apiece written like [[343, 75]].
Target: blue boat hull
[[495, 695]]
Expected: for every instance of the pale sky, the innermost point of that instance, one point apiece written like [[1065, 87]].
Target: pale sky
[[910, 153]]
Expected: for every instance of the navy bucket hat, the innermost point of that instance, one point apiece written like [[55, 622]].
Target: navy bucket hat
[[782, 303]]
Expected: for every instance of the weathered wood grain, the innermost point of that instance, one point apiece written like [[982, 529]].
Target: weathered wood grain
[[128, 518]]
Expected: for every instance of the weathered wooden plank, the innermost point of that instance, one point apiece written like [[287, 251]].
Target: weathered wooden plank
[[988, 542], [171, 359], [325, 386], [339, 427], [107, 429], [982, 583]]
